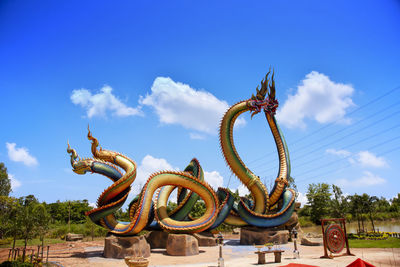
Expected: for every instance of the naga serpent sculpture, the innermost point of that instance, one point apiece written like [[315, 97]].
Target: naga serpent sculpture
[[264, 212], [262, 209]]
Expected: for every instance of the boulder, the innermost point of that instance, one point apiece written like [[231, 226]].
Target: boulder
[[205, 239], [182, 245], [73, 237], [308, 242], [253, 235], [157, 239], [118, 247], [292, 222]]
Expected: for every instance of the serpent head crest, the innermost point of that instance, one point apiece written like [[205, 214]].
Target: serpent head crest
[[260, 101]]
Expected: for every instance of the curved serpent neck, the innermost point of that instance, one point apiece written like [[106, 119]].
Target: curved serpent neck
[[284, 162], [235, 163]]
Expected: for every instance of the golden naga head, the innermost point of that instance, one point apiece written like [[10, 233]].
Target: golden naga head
[[260, 101], [79, 166]]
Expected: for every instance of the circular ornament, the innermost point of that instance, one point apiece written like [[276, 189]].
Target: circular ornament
[[335, 239]]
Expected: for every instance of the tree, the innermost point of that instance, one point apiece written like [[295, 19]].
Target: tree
[[395, 206], [42, 221], [9, 207], [123, 215], [171, 206], [319, 198], [356, 208], [369, 206], [382, 205], [27, 219], [62, 211], [198, 209], [5, 182], [339, 204]]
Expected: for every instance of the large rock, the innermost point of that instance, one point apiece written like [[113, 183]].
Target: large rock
[[157, 239], [118, 247], [292, 222], [182, 245], [308, 242], [73, 237], [253, 235], [205, 239]]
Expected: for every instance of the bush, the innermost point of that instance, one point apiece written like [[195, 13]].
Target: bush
[[6, 241], [223, 227], [60, 230], [305, 221], [370, 236], [15, 264]]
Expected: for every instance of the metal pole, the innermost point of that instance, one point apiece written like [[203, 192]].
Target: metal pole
[[69, 216], [220, 243], [47, 257]]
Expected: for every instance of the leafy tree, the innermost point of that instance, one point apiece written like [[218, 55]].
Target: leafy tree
[[9, 207], [27, 219], [171, 206], [62, 211], [339, 204], [382, 205], [356, 208], [198, 209], [122, 215], [369, 207], [395, 206], [319, 198], [293, 185], [42, 221], [5, 182], [236, 195]]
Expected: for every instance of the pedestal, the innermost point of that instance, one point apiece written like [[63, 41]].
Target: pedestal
[[157, 239], [205, 239], [259, 236], [118, 247], [182, 245]]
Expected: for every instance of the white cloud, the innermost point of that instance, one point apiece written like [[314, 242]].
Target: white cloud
[[368, 159], [178, 103], [214, 179], [368, 179], [20, 155], [14, 182], [341, 153], [243, 190], [364, 158], [302, 198], [148, 166], [317, 98], [101, 103], [197, 136]]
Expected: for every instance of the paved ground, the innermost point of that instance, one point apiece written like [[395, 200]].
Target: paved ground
[[241, 256], [88, 254]]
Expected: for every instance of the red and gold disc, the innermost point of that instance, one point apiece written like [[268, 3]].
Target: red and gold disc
[[335, 239]]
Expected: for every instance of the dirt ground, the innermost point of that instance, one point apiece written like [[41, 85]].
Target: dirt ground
[[90, 254]]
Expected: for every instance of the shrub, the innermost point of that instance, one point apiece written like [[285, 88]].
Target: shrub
[[305, 221]]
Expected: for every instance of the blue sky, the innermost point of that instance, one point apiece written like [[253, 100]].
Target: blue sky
[[154, 78]]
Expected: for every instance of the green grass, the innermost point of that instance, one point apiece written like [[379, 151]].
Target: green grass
[[33, 242], [391, 242]]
